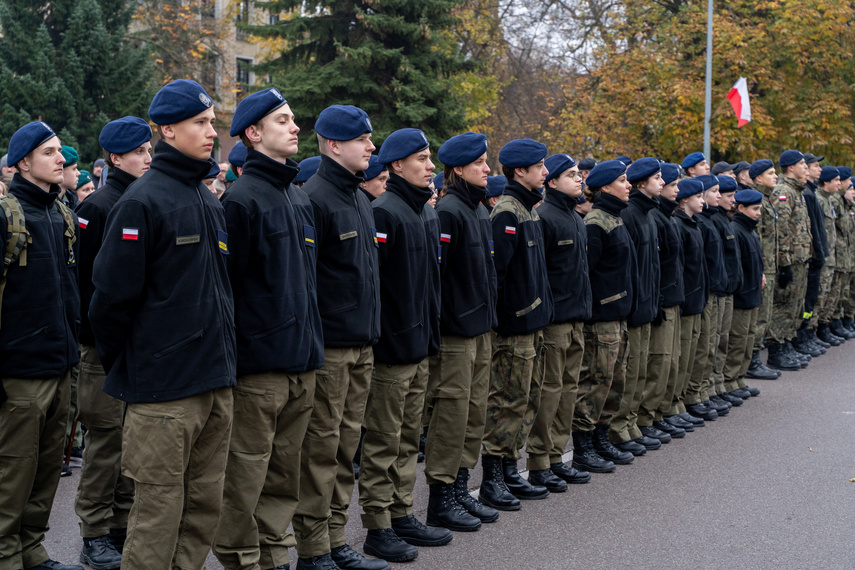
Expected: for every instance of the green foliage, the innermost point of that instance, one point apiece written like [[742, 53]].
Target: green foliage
[[67, 63], [388, 57]]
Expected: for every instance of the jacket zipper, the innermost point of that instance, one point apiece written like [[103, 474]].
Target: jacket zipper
[[61, 296], [370, 261], [305, 259]]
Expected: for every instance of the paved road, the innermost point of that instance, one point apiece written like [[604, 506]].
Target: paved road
[[768, 486]]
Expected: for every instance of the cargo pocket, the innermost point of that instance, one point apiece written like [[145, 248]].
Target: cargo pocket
[[153, 447]]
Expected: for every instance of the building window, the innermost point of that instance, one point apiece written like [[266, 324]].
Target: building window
[[242, 75], [273, 19]]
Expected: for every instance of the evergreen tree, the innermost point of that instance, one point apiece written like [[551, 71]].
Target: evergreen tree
[[67, 63], [391, 58]]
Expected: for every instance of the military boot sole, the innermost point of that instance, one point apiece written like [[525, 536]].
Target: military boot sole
[[593, 468], [95, 565], [368, 549], [506, 507], [783, 366]]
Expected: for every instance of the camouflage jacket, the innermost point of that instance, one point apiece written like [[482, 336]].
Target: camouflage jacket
[[845, 234], [767, 230], [828, 203], [793, 229]]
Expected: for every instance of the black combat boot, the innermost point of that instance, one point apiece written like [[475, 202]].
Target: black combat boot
[[848, 323], [546, 478], [461, 492], [802, 344], [604, 448], [584, 456], [648, 443], [100, 554], [838, 329], [634, 447], [778, 358], [810, 337], [760, 371], [814, 336], [570, 474], [380, 542], [118, 537], [518, 486], [671, 430], [446, 512], [700, 410], [412, 531], [323, 562], [824, 334], [732, 399], [494, 493], [656, 433], [679, 422]]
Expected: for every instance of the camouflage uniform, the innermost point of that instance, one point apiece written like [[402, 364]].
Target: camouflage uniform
[[830, 277], [767, 230], [844, 253], [794, 251]]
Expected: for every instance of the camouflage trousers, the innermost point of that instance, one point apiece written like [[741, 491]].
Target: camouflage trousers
[[702, 366], [663, 364], [624, 426], [830, 287], [788, 307], [740, 347], [516, 374], [846, 305], [603, 374], [725, 318], [764, 312], [563, 346], [690, 331]]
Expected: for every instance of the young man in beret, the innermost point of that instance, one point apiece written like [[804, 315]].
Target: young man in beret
[[104, 495], [806, 341], [455, 407], [495, 187], [376, 177], [743, 178], [695, 164], [564, 238], [845, 310], [524, 308], [408, 257], [38, 347], [793, 255], [70, 173], [169, 351], [270, 225], [831, 278], [348, 291], [765, 178], [237, 157], [308, 167]]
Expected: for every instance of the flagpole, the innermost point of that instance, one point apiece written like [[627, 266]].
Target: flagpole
[[708, 98]]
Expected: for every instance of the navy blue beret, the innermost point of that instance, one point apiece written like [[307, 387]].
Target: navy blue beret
[[708, 180], [177, 101], [624, 159], [740, 167], [496, 185], [758, 167], [215, 169], [748, 197], [238, 155], [587, 164], [26, 139], [727, 184], [828, 173], [342, 123], [308, 167], [845, 172], [642, 168], [558, 163], [605, 173], [670, 172], [124, 135], [254, 108], [375, 168], [581, 199], [401, 144], [692, 159], [790, 157], [689, 187], [462, 149], [521, 153], [439, 181]]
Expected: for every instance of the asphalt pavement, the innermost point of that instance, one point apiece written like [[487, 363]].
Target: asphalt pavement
[[768, 486]]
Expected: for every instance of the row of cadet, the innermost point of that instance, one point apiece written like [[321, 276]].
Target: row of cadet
[[229, 353]]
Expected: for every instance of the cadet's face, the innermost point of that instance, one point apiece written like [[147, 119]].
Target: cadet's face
[[726, 200], [531, 177], [850, 193], [568, 182], [753, 211], [767, 179], [584, 208], [377, 185], [417, 169], [137, 162], [277, 135], [712, 196], [832, 186], [652, 187], [209, 184], [814, 170], [695, 204], [475, 173], [43, 166], [744, 178], [700, 168], [69, 177], [85, 191], [619, 188], [670, 191], [354, 154], [799, 171], [194, 136]]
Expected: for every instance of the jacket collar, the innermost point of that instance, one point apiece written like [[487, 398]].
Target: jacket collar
[[685, 217], [119, 179], [176, 164], [745, 221], [560, 200], [640, 200], [667, 206], [28, 192], [608, 203], [414, 196], [469, 193], [528, 197], [277, 174], [338, 176]]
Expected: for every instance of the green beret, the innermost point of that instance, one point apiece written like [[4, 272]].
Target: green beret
[[83, 178], [70, 155]]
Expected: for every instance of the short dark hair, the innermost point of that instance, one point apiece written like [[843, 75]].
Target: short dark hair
[[508, 172]]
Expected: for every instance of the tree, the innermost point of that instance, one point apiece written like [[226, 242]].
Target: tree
[[389, 57], [68, 63]]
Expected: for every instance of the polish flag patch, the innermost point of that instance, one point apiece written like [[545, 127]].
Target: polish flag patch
[[82, 222], [782, 198], [381, 238], [445, 238], [130, 234], [510, 230]]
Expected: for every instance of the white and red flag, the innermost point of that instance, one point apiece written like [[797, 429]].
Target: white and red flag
[[738, 97]]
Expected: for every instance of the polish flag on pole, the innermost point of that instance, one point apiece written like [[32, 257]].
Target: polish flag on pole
[[738, 97]]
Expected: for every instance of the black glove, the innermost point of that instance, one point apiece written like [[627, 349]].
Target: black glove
[[817, 263], [659, 318], [3, 396], [785, 276]]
